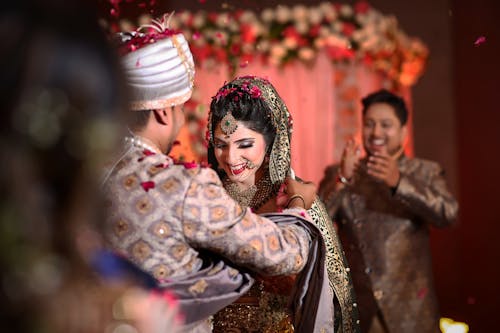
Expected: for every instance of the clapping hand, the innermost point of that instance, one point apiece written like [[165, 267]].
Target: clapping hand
[[383, 167], [350, 159]]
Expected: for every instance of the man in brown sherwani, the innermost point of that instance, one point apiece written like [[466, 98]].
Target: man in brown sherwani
[[384, 205]]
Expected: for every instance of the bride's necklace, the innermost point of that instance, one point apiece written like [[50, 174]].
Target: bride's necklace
[[254, 196]]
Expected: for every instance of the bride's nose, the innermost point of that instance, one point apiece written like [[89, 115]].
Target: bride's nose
[[232, 156]]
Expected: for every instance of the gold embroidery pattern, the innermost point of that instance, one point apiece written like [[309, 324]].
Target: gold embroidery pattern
[[338, 273], [199, 287], [141, 251]]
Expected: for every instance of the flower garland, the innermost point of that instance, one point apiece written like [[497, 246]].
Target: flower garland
[[284, 34]]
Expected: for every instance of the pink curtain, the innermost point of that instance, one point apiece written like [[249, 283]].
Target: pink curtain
[[323, 98]]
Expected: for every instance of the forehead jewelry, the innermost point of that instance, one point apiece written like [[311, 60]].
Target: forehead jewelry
[[228, 124]]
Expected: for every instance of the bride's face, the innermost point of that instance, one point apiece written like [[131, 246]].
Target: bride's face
[[240, 154]]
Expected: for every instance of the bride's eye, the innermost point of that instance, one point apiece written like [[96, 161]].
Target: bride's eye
[[246, 145], [219, 145]]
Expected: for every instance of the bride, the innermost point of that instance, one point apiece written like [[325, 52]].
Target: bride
[[249, 132]]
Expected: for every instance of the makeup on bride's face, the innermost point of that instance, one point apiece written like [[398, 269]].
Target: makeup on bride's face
[[240, 154]]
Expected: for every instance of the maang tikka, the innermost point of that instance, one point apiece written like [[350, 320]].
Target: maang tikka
[[228, 124]]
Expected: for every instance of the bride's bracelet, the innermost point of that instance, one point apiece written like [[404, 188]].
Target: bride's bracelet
[[293, 197]]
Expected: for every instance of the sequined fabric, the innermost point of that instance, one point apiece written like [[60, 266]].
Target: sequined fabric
[[386, 239]]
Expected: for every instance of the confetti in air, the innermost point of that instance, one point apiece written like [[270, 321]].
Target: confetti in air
[[480, 40]]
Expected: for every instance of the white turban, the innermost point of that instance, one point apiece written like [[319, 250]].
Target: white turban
[[160, 74]]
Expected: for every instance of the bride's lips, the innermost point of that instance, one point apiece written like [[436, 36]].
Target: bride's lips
[[236, 170]]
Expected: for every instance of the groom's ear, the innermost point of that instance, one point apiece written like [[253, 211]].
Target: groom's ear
[[161, 116]]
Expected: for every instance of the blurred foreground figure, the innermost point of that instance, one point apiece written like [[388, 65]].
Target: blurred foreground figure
[[384, 205], [60, 95]]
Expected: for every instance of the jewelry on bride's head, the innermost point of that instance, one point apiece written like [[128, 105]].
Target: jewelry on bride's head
[[228, 124]]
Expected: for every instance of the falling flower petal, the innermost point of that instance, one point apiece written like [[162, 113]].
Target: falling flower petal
[[162, 165], [205, 164], [190, 165], [176, 143], [480, 40], [148, 185], [422, 293], [148, 152], [137, 63]]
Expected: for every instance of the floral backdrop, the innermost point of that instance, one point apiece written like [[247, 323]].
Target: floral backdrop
[[357, 47], [284, 34]]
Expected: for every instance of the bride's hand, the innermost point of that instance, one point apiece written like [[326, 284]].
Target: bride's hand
[[300, 194]]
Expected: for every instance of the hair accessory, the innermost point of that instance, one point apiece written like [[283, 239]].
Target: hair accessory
[[228, 124]]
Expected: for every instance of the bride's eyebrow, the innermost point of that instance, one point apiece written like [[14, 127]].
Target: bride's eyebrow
[[244, 139]]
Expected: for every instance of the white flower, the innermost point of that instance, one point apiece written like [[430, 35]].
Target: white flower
[[258, 29], [324, 31], [300, 12], [302, 27], [346, 10], [267, 15], [222, 20], [126, 25], [337, 40], [263, 45], [315, 15], [248, 17], [278, 51], [290, 43], [329, 11], [306, 53], [184, 17], [175, 23], [369, 43], [198, 20], [233, 26], [144, 19], [319, 43], [283, 14], [336, 26]]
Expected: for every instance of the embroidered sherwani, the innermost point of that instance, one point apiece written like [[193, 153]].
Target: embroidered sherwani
[[163, 216], [385, 234]]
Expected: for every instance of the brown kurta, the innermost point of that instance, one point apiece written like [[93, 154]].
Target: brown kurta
[[385, 234]]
